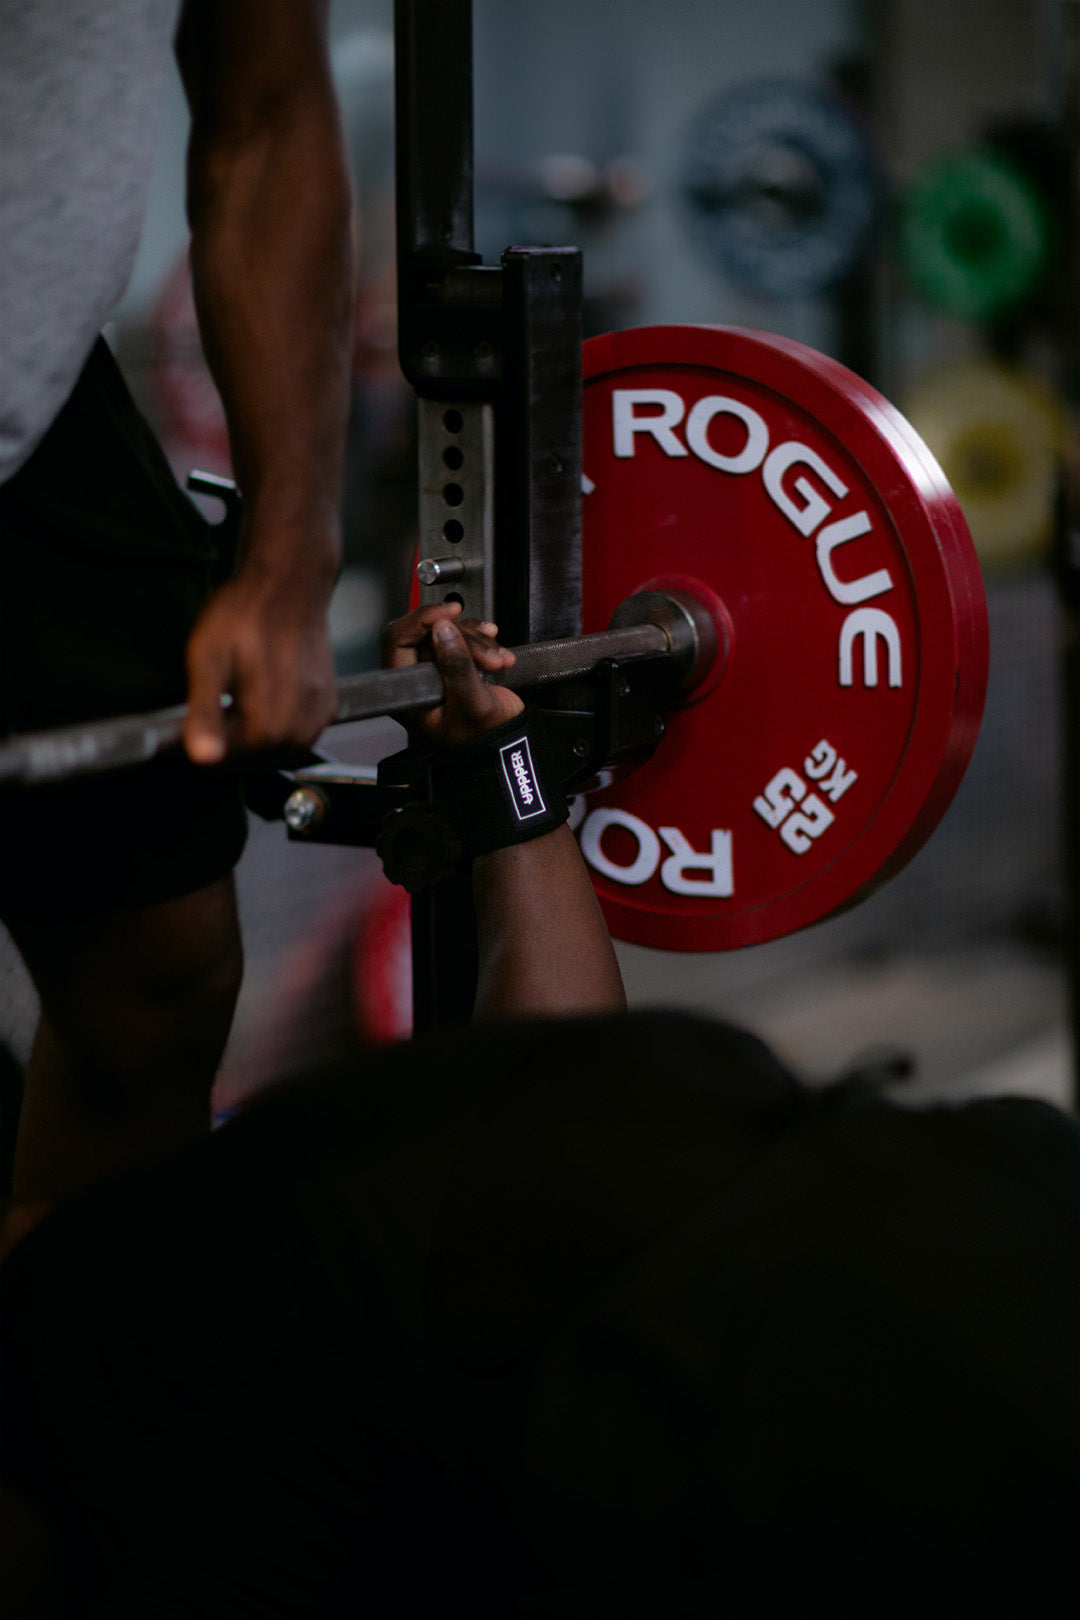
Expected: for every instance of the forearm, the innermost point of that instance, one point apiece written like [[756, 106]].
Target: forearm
[[544, 944], [270, 213]]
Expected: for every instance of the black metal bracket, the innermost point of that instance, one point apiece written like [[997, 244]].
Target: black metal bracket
[[443, 317], [605, 726], [601, 725]]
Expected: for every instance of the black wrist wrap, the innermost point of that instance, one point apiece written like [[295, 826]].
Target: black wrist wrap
[[502, 788]]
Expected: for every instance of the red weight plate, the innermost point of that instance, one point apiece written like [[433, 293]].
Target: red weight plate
[[855, 673], [382, 964]]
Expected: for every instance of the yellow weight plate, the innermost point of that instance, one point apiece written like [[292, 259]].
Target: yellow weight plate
[[998, 433]]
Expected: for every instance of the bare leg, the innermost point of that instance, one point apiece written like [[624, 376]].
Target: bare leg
[[136, 1010]]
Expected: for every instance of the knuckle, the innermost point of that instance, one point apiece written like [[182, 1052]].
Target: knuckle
[[397, 630]]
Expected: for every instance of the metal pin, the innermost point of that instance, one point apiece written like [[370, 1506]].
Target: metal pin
[[437, 571]]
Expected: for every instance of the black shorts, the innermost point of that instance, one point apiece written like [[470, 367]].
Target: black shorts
[[104, 566]]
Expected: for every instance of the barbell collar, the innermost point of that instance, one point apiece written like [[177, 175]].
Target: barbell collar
[[692, 637]]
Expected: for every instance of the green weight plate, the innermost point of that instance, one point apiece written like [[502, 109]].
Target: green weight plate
[[974, 235]]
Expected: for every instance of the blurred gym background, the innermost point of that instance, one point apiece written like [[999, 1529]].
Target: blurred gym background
[[892, 181]]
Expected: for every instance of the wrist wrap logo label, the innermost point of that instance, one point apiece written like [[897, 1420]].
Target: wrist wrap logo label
[[519, 774]]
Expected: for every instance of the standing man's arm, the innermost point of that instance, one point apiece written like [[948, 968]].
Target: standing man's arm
[[269, 205]]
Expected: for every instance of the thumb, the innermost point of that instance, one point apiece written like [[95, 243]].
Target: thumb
[[461, 678]]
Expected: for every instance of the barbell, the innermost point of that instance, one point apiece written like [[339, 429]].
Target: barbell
[[668, 625], [770, 526]]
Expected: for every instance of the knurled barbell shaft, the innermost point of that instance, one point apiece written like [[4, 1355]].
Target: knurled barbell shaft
[[104, 745]]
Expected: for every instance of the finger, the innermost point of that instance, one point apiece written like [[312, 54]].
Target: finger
[[481, 636], [271, 712], [490, 655], [204, 734], [466, 695], [470, 704], [479, 627], [267, 709], [402, 637]]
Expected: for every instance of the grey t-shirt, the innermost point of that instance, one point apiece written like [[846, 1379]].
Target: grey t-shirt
[[80, 97]]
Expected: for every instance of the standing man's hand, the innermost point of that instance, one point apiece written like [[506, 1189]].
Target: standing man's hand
[[270, 207], [264, 640]]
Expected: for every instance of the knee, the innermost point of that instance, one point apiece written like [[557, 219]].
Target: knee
[[153, 992], [195, 980], [170, 1010]]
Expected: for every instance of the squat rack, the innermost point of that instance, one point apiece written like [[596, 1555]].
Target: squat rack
[[493, 354]]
